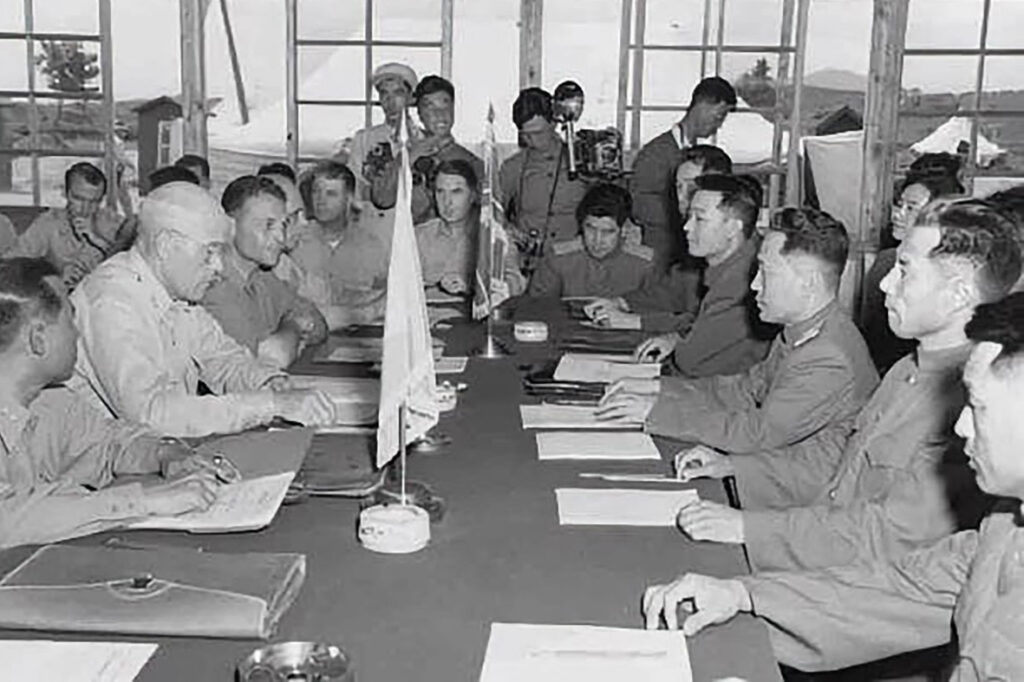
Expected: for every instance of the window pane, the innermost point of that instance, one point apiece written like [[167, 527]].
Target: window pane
[[1002, 85], [82, 16], [14, 73], [404, 20], [322, 128], [12, 15], [677, 22], [147, 62], [944, 23], [753, 22], [838, 45], [330, 73], [329, 19], [67, 67], [1005, 21], [939, 81], [669, 77]]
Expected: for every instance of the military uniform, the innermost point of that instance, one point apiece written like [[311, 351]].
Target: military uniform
[[569, 270]]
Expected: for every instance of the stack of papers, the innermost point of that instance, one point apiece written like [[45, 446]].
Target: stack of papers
[[595, 445], [73, 661], [581, 367], [455, 365], [619, 507], [559, 653], [569, 417], [247, 505]]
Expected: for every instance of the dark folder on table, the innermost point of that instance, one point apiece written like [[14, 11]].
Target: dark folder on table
[[152, 591]]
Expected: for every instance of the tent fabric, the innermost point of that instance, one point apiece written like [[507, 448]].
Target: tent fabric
[[949, 136]]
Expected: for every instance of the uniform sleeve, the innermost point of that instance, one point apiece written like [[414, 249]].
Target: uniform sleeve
[[742, 414], [839, 617], [913, 510], [546, 281], [34, 242], [722, 340], [124, 356], [226, 311], [675, 292], [355, 163]]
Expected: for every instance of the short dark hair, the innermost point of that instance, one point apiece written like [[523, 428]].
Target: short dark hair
[[605, 200], [431, 84], [25, 294], [328, 170], [815, 233], [938, 185], [736, 199], [460, 167], [190, 161], [938, 163], [712, 159], [168, 174], [246, 187], [1011, 203], [978, 232], [277, 168], [715, 90], [532, 102], [1000, 322], [86, 172], [754, 186]]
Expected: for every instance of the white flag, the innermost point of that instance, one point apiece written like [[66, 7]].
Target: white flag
[[407, 364], [490, 288]]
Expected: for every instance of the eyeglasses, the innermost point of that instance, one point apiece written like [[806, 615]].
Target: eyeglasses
[[212, 251]]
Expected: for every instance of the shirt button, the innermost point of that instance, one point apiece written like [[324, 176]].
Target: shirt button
[[832, 494], [912, 380]]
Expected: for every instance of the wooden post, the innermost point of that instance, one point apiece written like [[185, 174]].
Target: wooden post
[[881, 112], [447, 37], [33, 105], [107, 78], [794, 174], [291, 58], [236, 67], [193, 76], [778, 116], [979, 86], [531, 42], [639, 36], [625, 37], [368, 89]]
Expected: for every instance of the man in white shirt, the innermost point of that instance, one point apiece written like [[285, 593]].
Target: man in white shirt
[[145, 345]]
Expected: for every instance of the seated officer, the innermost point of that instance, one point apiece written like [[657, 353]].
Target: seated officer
[[58, 454], [597, 263], [724, 336], [672, 300], [76, 238], [898, 482], [252, 305], [145, 346], [818, 373], [968, 587]]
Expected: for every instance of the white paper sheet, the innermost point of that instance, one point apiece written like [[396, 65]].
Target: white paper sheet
[[73, 661], [247, 505], [578, 367], [595, 445], [618, 358], [453, 365], [620, 507], [356, 400], [546, 416], [557, 653]]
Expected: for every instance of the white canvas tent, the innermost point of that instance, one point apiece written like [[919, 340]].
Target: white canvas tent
[[950, 135]]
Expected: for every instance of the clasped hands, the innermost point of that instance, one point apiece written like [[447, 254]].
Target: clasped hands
[[628, 400], [613, 313]]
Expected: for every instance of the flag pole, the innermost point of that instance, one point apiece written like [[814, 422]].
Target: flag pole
[[492, 348], [402, 446]]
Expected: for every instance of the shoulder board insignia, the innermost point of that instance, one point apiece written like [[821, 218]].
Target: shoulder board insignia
[[567, 247], [639, 250]]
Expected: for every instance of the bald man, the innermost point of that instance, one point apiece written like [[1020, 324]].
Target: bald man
[[144, 345]]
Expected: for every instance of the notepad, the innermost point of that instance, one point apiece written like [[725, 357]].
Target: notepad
[[247, 505], [579, 367], [595, 445], [557, 653], [546, 416], [620, 507], [33, 659], [455, 365]]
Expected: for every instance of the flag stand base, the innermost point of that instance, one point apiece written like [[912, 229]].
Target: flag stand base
[[491, 349]]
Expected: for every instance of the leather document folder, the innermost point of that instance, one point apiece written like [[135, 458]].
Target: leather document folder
[[151, 591]]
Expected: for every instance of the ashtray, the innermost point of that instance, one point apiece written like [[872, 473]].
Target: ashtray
[[294, 661]]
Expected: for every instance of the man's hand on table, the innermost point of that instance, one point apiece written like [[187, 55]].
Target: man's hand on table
[[310, 408], [453, 284], [599, 309], [710, 601], [704, 520], [279, 384], [657, 348], [702, 462], [628, 400], [195, 492]]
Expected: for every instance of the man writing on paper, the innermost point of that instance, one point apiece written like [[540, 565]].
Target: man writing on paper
[[968, 587], [596, 263], [670, 303], [252, 305], [58, 454], [818, 373], [145, 345], [899, 481]]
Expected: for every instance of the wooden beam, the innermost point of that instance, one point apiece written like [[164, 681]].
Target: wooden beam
[[107, 78], [368, 64], [979, 86], [291, 59], [33, 106], [794, 174], [193, 76], [236, 67], [447, 37], [638, 73], [888, 37], [778, 115], [531, 42], [625, 38]]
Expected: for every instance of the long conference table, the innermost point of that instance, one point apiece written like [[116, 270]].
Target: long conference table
[[498, 555]]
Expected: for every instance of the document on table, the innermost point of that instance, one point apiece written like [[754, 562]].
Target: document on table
[[250, 504], [620, 507], [32, 659], [580, 367], [555, 653], [595, 445], [546, 416], [356, 400], [454, 365]]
